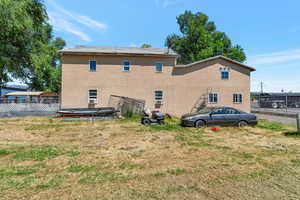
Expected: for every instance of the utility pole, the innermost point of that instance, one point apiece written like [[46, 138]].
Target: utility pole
[[261, 92], [298, 123]]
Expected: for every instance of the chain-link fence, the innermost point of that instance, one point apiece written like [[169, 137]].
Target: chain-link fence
[[126, 105], [28, 106]]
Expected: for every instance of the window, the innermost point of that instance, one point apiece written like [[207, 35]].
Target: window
[[224, 75], [126, 66], [219, 111], [232, 111], [213, 98], [93, 65], [158, 96], [237, 98], [93, 97], [158, 67]]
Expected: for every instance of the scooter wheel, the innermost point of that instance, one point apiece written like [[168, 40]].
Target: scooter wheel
[[147, 122]]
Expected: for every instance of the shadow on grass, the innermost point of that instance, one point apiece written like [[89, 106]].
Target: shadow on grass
[[293, 134]]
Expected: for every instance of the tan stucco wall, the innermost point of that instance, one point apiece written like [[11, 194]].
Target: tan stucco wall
[[181, 86]]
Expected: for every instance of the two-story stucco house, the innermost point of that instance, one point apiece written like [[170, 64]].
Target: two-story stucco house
[[91, 74]]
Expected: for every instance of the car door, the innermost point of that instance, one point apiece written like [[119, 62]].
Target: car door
[[217, 117], [232, 116]]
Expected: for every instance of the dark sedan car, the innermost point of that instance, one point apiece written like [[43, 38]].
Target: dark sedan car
[[223, 116]]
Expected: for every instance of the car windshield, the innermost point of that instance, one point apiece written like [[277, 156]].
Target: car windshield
[[205, 110]]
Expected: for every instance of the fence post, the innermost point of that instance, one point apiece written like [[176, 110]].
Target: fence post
[[298, 123]]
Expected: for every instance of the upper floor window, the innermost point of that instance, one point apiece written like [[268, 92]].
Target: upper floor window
[[93, 97], [93, 65], [158, 67], [126, 66], [224, 75], [213, 98], [237, 98]]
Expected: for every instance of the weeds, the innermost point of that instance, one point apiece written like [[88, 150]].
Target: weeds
[[292, 134], [296, 162], [159, 174], [10, 150], [79, 168], [177, 171], [73, 153], [38, 154], [130, 165], [274, 126], [53, 182], [101, 177]]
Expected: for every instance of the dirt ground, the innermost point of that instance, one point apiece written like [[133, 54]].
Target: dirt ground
[[121, 159]]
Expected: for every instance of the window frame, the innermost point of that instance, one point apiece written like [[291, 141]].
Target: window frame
[[213, 97], [227, 78], [92, 96], [129, 66], [237, 98], [162, 67], [90, 65]]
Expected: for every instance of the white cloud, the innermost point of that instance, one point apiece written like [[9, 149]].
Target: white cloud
[[61, 24], [65, 20], [166, 3], [275, 57], [133, 45]]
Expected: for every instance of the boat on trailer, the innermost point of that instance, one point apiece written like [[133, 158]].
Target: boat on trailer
[[87, 112]]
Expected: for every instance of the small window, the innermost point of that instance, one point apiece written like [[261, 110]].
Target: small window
[[93, 65], [93, 97], [158, 96], [159, 67], [213, 98], [237, 98], [126, 66], [224, 75]]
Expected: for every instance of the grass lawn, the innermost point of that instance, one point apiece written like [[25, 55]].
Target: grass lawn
[[121, 159]]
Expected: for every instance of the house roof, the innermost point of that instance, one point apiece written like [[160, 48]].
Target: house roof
[[217, 57], [30, 94], [119, 50]]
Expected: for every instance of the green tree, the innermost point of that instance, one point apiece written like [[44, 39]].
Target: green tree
[[28, 51], [200, 40], [146, 46]]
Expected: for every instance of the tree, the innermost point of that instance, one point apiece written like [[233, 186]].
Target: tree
[[27, 48], [146, 46], [200, 40]]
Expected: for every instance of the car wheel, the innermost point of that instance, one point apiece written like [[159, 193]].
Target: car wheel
[[242, 124], [199, 124], [147, 122]]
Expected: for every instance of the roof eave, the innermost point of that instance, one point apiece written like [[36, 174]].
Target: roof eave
[[120, 54], [217, 57]]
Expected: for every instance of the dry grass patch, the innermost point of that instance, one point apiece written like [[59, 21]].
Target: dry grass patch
[[122, 159]]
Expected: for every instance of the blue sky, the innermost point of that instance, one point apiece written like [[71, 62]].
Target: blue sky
[[269, 31]]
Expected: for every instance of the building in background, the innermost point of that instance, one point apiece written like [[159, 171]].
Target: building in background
[[30, 97], [10, 87], [277, 99]]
